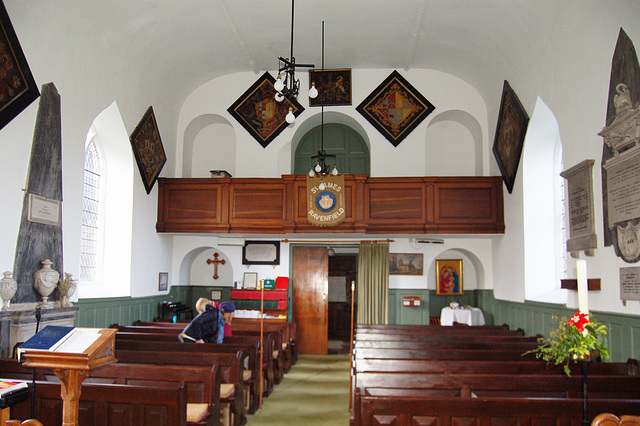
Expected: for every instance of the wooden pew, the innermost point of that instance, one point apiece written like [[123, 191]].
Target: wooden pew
[[488, 344], [111, 405], [231, 367], [376, 408], [162, 342], [442, 354], [445, 337], [629, 368], [605, 387], [274, 368], [202, 383]]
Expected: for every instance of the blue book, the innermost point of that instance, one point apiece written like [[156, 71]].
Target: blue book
[[47, 339]]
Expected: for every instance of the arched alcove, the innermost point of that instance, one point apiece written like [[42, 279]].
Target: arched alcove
[[456, 132], [543, 208], [195, 271], [473, 273], [332, 120], [209, 144]]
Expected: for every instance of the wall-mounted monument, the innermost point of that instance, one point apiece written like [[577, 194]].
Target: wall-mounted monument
[[582, 233], [621, 154]]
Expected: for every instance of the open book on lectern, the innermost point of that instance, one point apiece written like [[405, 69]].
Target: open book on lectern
[[58, 338]]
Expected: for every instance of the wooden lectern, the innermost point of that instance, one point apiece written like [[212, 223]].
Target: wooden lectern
[[73, 368]]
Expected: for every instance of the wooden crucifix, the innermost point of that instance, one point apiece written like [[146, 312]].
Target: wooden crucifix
[[215, 262]]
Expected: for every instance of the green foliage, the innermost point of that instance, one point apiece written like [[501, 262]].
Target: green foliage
[[569, 344]]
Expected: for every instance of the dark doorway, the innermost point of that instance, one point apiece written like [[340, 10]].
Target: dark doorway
[[343, 270]]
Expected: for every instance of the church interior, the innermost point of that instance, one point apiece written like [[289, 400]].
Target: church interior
[[468, 154]]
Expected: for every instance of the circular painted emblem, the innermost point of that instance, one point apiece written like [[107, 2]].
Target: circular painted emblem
[[325, 201]]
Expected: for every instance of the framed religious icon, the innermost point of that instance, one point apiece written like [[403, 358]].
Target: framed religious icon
[[395, 108], [405, 264], [449, 277], [260, 114], [334, 85], [148, 150], [509, 140], [19, 88]]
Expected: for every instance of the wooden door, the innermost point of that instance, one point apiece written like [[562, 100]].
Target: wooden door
[[310, 305]]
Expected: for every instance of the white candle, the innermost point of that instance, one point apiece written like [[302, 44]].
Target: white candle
[[583, 289]]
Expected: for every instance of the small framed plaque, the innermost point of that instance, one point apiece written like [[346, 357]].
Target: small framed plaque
[[163, 281], [216, 295], [43, 210], [261, 253], [250, 280]]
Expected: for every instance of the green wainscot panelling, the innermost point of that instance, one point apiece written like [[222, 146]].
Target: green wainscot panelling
[[101, 313], [399, 314], [540, 318]]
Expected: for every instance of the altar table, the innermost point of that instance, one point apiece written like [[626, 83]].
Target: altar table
[[469, 316]]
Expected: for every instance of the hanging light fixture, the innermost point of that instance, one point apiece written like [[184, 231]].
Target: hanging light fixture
[[286, 84], [321, 157]]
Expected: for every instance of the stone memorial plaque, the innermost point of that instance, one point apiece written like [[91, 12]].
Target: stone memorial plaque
[[630, 283], [623, 187], [581, 212]]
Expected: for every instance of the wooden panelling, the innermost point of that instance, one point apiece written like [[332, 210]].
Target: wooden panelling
[[399, 205]]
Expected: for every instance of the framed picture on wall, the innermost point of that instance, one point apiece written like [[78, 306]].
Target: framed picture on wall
[[147, 149], [406, 264], [509, 140], [449, 277], [163, 281], [261, 253], [250, 280]]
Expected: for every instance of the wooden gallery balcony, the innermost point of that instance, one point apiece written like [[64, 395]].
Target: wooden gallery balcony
[[395, 205]]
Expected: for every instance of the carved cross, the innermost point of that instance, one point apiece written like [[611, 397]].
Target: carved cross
[[215, 262]]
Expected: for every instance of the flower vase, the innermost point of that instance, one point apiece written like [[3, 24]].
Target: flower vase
[[67, 287], [45, 281], [8, 288]]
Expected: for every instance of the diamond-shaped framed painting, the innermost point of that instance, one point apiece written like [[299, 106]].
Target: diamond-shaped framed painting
[[395, 108], [260, 114]]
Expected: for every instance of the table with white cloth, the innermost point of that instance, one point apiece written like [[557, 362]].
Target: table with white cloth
[[469, 316]]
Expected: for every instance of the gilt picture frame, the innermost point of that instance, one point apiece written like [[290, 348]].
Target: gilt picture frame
[[260, 114], [449, 279], [147, 149], [510, 132], [334, 85], [395, 108], [22, 90]]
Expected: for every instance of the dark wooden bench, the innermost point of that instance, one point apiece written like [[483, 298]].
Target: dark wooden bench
[[274, 367], [488, 344], [231, 368], [442, 354], [165, 342], [379, 408], [629, 368], [202, 383], [111, 405]]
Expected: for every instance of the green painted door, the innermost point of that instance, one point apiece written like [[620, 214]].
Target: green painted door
[[350, 149]]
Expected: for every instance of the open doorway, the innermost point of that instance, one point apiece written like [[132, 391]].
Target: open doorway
[[343, 270]]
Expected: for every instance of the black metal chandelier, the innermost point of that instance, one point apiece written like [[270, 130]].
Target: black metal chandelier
[[289, 86]]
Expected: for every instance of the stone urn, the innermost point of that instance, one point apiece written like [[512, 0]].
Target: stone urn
[[45, 281], [67, 287], [8, 288]]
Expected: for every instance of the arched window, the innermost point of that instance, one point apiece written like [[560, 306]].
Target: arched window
[[107, 226], [91, 248], [543, 201]]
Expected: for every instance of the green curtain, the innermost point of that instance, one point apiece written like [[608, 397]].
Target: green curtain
[[373, 283]]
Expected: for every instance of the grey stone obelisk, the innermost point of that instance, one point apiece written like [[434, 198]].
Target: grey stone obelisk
[[39, 241]]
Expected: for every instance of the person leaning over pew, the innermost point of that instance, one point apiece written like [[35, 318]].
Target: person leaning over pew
[[208, 326], [200, 305]]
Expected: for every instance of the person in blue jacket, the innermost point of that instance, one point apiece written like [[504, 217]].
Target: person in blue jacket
[[208, 325]]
